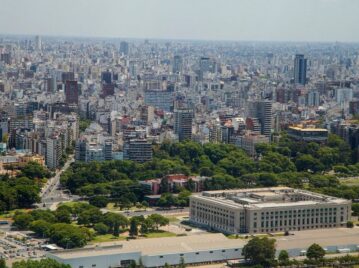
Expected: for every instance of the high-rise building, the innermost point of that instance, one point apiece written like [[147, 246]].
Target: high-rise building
[[106, 77], [71, 92], [6, 57], [206, 65], [262, 110], [107, 148], [183, 123], [300, 69], [177, 64], [53, 152], [162, 99], [38, 43], [124, 48], [139, 150], [50, 84], [108, 90], [313, 98], [67, 76], [343, 95], [132, 66], [354, 107]]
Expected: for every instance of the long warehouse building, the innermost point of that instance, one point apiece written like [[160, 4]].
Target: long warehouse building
[[199, 249]]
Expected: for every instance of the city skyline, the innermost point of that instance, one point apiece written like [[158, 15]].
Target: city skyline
[[257, 20]]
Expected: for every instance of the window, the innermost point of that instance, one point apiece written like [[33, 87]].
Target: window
[[93, 265], [81, 266], [161, 257], [211, 252], [197, 253], [181, 255], [223, 251], [236, 249]]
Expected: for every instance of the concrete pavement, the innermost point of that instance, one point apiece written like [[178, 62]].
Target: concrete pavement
[[51, 193]]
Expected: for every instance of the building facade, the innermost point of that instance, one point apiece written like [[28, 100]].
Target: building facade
[[71, 92], [308, 133], [266, 210], [300, 69], [139, 150], [183, 124]]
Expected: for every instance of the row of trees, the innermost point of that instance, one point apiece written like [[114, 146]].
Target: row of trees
[[59, 228], [262, 252], [44, 263]]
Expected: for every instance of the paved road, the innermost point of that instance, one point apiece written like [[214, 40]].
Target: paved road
[[149, 211], [51, 194]]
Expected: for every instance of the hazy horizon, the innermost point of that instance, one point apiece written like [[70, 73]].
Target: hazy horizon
[[207, 20]]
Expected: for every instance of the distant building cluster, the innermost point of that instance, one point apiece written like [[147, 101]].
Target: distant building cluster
[[139, 93]]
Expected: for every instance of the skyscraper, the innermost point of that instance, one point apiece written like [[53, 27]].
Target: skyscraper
[[65, 76], [107, 77], [133, 69], [38, 43], [183, 124], [300, 69], [262, 110], [124, 48], [206, 65], [71, 92], [177, 64], [50, 83]]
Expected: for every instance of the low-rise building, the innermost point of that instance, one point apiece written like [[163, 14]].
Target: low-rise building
[[265, 210], [155, 252], [249, 141], [308, 133]]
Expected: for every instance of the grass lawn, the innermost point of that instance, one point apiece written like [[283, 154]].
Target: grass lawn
[[71, 204], [172, 219], [106, 238], [233, 236], [112, 207], [159, 234], [10, 214], [350, 181]]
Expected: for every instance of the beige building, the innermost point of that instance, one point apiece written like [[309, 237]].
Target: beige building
[[249, 141], [266, 210]]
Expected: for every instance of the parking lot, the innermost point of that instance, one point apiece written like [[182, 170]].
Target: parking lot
[[16, 246]]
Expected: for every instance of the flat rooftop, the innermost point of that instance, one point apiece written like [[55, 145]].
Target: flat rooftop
[[155, 246], [303, 129], [267, 198], [323, 237]]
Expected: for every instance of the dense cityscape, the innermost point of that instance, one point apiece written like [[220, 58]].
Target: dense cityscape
[[135, 152]]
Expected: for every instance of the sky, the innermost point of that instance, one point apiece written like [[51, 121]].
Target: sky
[[240, 20]]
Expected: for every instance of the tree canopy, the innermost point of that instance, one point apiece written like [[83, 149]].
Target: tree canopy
[[260, 251]]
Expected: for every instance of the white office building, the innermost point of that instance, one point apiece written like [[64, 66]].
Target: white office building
[[267, 210]]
